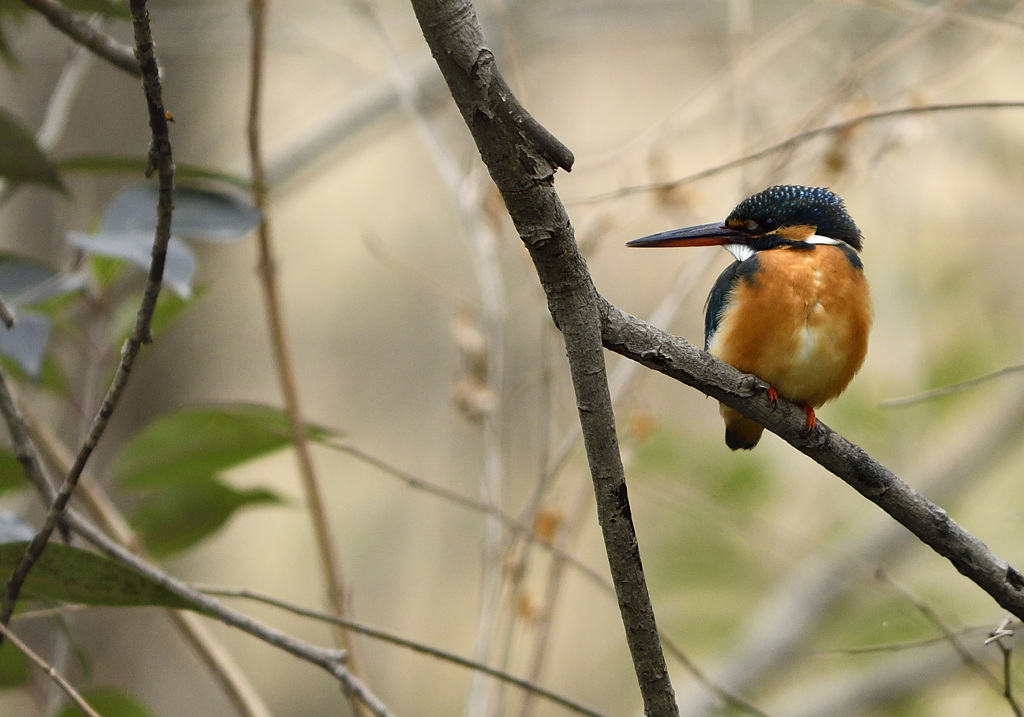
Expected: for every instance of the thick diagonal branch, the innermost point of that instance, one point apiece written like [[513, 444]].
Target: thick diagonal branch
[[675, 357]]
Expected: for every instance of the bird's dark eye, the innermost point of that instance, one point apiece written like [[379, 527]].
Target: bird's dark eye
[[770, 223]]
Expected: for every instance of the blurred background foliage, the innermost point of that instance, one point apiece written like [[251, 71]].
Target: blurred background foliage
[[421, 338]]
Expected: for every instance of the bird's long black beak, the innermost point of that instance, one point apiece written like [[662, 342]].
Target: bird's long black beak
[[701, 235]]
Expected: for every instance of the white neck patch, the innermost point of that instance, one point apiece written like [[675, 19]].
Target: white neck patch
[[818, 239], [742, 252]]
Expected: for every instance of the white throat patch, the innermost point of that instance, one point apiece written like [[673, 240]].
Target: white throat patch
[[742, 252]]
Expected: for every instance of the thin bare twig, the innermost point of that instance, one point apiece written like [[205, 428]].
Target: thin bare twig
[[873, 689], [79, 30], [481, 240], [392, 259], [902, 646], [24, 449], [949, 390], [509, 522], [837, 128], [561, 555], [948, 635], [330, 660], [50, 672], [1008, 679], [854, 75], [402, 642], [330, 564], [997, 636], [161, 160], [6, 314]]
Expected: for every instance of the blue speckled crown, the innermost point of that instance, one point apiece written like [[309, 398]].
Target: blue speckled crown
[[789, 205]]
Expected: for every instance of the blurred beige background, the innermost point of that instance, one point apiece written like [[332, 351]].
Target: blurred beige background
[[376, 262]]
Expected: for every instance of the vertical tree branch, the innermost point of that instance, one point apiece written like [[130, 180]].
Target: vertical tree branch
[[161, 161], [522, 157], [329, 563]]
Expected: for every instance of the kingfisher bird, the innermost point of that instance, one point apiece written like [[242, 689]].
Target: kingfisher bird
[[794, 309]]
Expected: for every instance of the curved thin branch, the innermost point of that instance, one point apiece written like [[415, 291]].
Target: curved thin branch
[[953, 388], [391, 638], [928, 613], [795, 140], [678, 359], [331, 660], [327, 552], [51, 672], [224, 669]]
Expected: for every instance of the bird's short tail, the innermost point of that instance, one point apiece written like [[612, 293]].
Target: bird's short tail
[[740, 432]]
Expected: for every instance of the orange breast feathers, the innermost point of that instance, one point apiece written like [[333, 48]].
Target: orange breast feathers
[[800, 323]]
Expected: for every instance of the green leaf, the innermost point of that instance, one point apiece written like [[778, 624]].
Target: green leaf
[[105, 270], [21, 159], [16, 11], [6, 53], [177, 458], [73, 575], [51, 376], [15, 670], [175, 518], [200, 442], [109, 702], [168, 307], [121, 164], [12, 477]]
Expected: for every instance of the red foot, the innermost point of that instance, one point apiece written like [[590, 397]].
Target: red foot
[[812, 420]]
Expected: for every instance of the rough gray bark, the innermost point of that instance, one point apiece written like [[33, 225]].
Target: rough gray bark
[[675, 357], [522, 158]]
